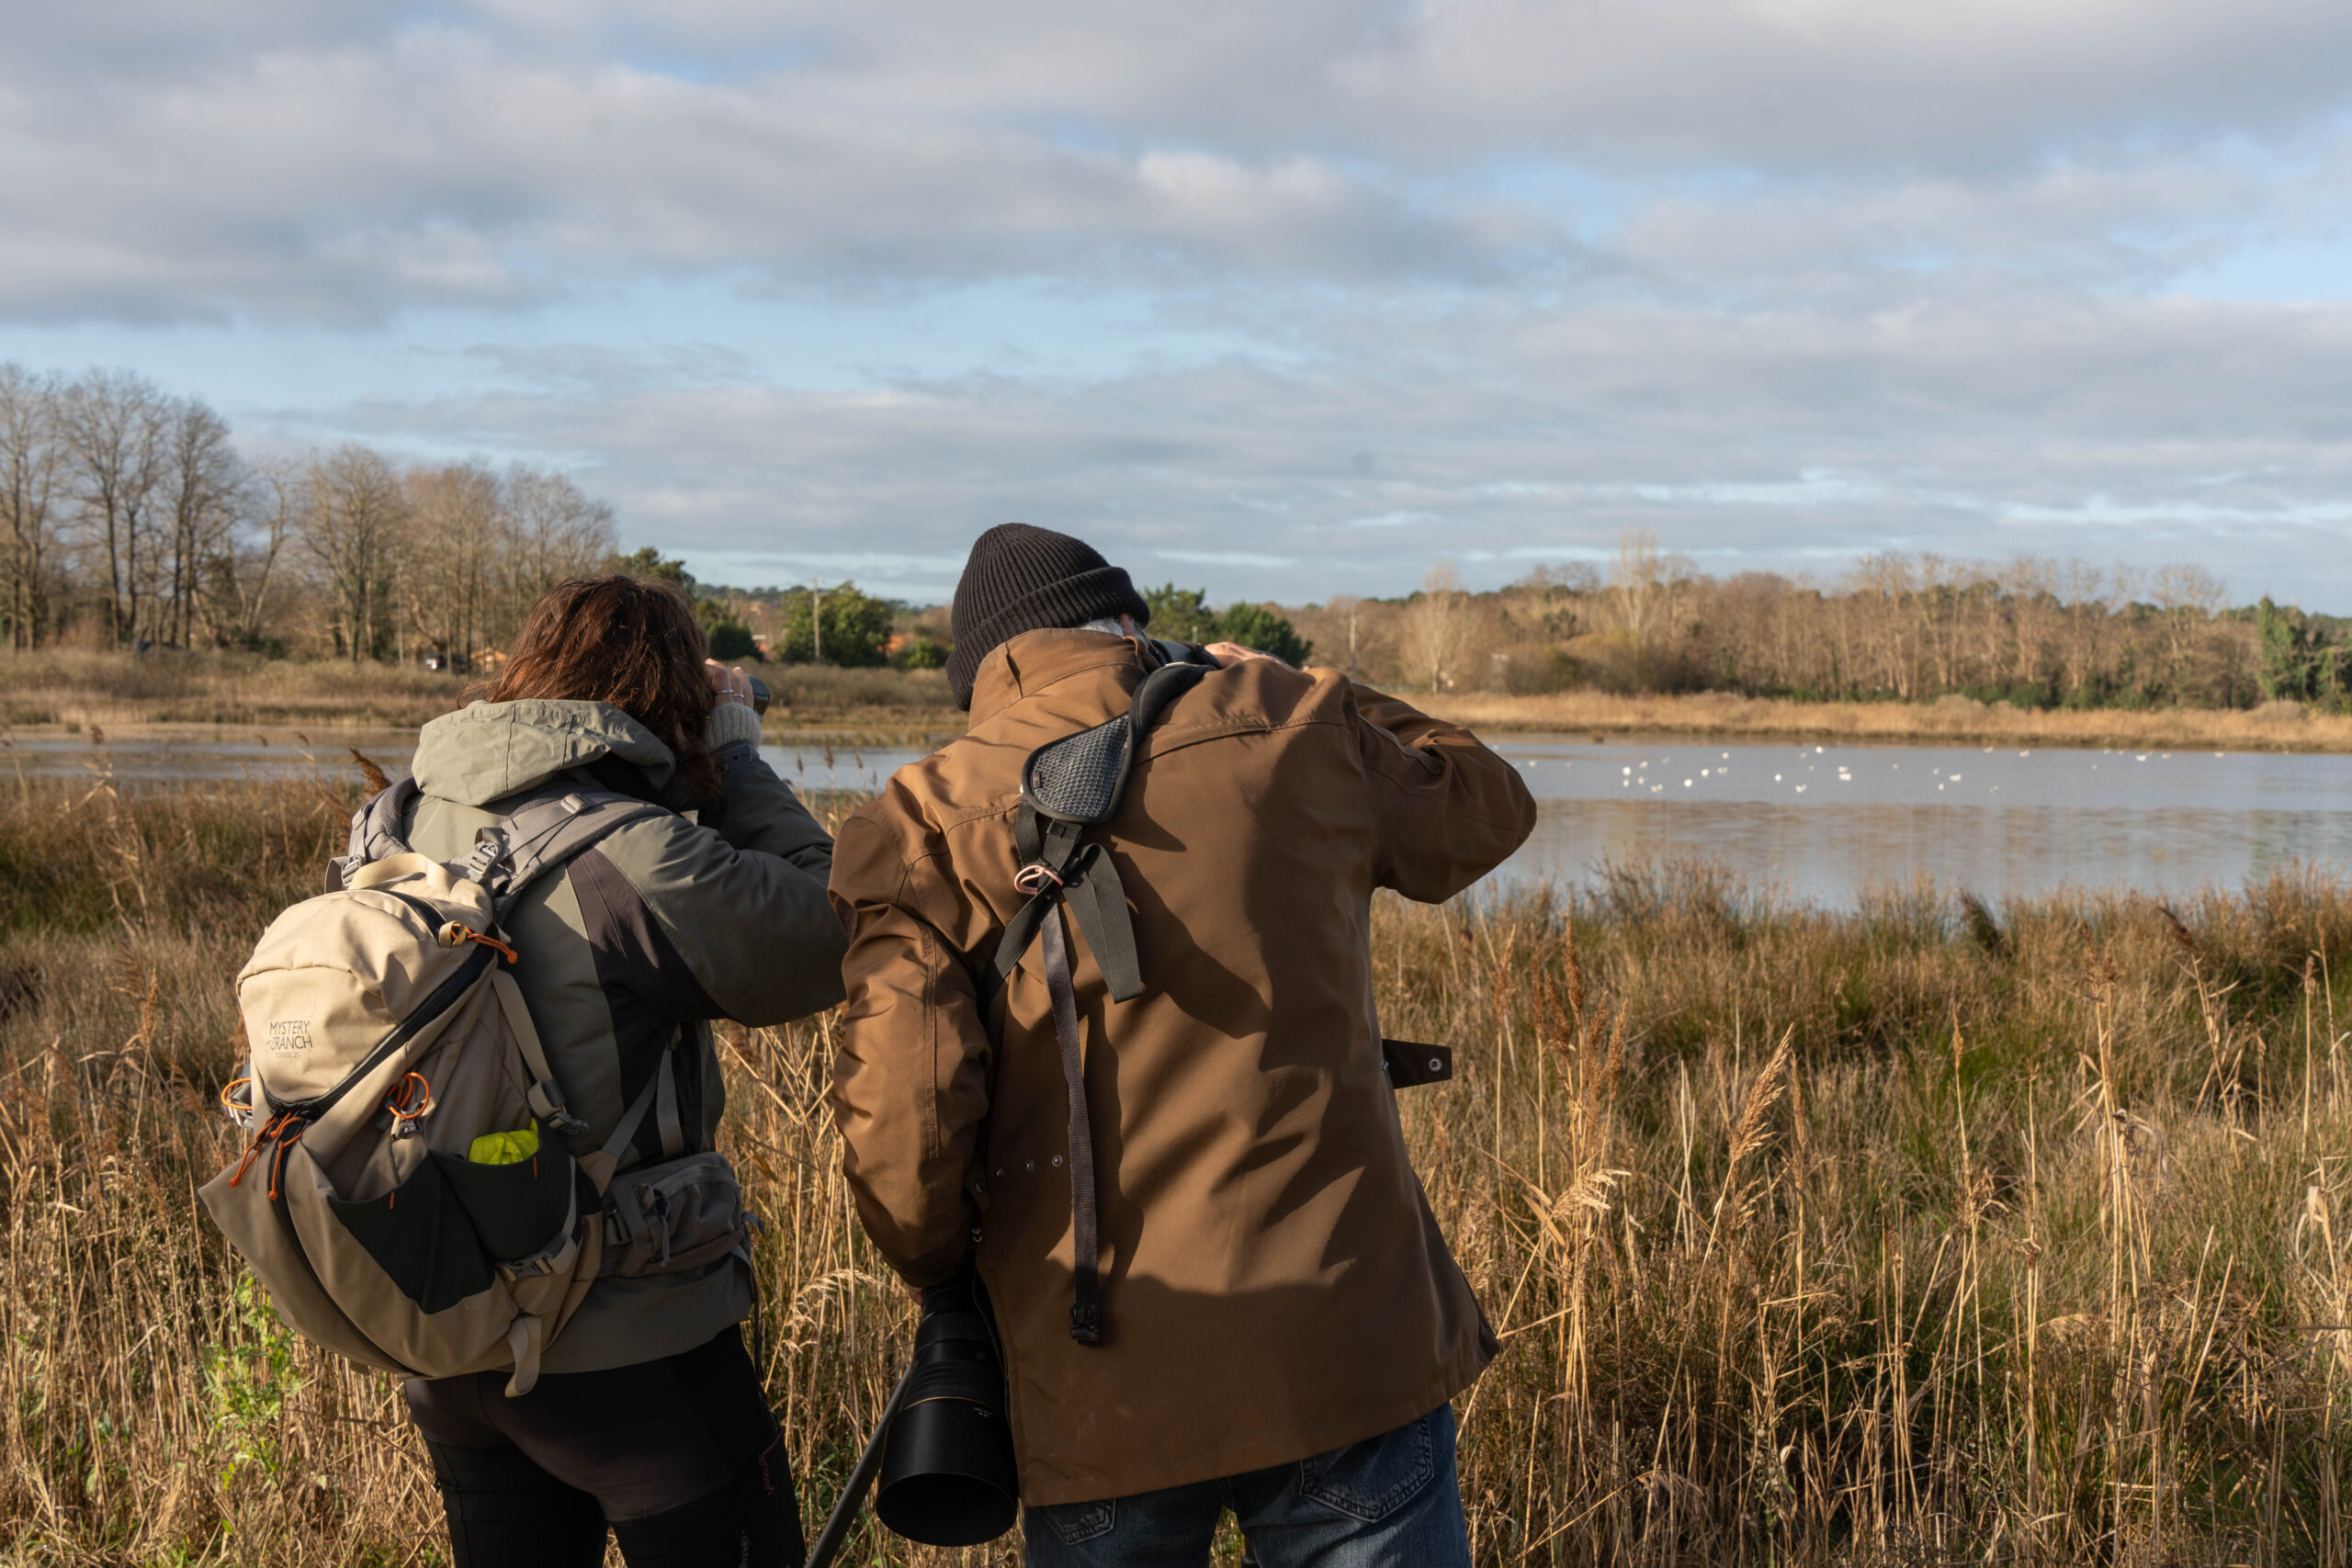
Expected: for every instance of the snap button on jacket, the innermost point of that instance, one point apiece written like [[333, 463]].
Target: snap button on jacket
[[1274, 1283]]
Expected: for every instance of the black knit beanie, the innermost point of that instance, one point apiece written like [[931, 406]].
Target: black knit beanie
[[1024, 579]]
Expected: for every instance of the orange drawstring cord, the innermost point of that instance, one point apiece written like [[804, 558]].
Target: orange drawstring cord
[[278, 1165], [230, 1088], [466, 933], [398, 1101], [268, 1130]]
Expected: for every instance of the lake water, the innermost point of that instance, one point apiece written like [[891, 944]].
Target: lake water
[[1826, 822], [1820, 822]]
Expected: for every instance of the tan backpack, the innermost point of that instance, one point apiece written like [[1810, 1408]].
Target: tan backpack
[[410, 1192]]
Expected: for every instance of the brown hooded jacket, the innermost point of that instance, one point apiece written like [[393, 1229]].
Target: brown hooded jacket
[[1274, 1284]]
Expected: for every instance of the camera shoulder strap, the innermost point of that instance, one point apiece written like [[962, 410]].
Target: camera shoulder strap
[[1066, 788]]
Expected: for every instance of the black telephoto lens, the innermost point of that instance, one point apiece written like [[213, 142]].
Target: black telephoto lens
[[947, 1476]]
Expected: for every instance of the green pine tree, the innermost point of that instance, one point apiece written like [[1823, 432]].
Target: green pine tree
[[1255, 625], [1181, 614]]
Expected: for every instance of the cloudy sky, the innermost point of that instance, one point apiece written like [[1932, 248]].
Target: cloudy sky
[[1283, 301]]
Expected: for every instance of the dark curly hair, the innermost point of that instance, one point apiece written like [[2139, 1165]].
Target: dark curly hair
[[628, 642]]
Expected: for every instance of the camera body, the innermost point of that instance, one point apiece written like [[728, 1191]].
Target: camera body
[[948, 1477], [1160, 650]]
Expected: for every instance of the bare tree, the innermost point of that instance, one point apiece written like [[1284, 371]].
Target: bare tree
[[1436, 631], [352, 505], [1347, 610], [553, 532], [1638, 587], [113, 427], [247, 570], [2030, 589], [2188, 596], [207, 484], [29, 464], [460, 518]]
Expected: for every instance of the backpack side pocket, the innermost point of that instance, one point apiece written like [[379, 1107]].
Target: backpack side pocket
[[668, 1218]]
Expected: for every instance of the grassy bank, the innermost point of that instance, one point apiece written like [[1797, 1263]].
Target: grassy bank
[[1921, 1233], [2277, 727], [125, 694]]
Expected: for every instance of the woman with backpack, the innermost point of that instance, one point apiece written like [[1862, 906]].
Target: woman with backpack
[[647, 1415]]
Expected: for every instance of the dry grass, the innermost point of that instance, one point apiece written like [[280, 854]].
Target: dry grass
[[1925, 1232], [116, 691], [2276, 727], [127, 696]]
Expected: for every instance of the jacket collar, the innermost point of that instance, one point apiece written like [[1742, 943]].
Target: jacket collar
[[1027, 664]]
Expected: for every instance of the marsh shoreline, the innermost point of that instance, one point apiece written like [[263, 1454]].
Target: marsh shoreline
[[162, 698]]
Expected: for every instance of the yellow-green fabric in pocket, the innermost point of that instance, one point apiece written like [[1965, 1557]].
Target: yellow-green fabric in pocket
[[504, 1148]]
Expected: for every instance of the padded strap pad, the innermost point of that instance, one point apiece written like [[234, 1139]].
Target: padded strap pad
[[1082, 777], [509, 856], [376, 830]]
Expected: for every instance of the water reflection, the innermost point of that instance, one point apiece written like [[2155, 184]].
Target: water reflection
[[1831, 856]]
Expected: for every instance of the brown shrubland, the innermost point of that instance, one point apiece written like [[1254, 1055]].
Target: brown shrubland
[[224, 695], [2273, 727], [1921, 1232]]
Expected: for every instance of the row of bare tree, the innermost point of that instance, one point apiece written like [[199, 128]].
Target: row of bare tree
[[129, 519], [1912, 627]]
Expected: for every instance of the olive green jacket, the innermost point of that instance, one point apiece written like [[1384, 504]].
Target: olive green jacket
[[635, 947]]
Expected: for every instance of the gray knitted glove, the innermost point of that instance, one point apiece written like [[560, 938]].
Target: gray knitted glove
[[731, 723]]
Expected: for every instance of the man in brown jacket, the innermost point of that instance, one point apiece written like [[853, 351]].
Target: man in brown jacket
[[1215, 1277]]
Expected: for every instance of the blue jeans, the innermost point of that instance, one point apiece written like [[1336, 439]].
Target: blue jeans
[[1388, 1501]]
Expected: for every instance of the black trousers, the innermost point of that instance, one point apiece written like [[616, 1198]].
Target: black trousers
[[680, 1457]]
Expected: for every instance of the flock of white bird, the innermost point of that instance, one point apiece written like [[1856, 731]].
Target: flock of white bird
[[1636, 776]]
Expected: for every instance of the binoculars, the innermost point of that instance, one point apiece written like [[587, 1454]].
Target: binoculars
[[944, 1446]]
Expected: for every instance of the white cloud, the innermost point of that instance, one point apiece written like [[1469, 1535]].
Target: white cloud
[[347, 167], [1784, 280], [2152, 430]]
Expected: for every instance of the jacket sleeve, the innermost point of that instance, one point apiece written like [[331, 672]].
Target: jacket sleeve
[[1449, 810], [759, 811], [911, 1082], [751, 928]]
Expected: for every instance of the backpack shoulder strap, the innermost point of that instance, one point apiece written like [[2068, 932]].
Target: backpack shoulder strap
[[376, 831], [509, 856]]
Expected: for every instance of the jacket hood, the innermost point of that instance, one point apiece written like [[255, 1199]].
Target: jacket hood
[[486, 752], [1025, 665]]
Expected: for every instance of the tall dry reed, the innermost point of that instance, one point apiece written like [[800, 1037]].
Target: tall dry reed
[[1922, 1232]]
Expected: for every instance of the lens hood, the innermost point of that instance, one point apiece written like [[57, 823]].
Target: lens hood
[[947, 1473]]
